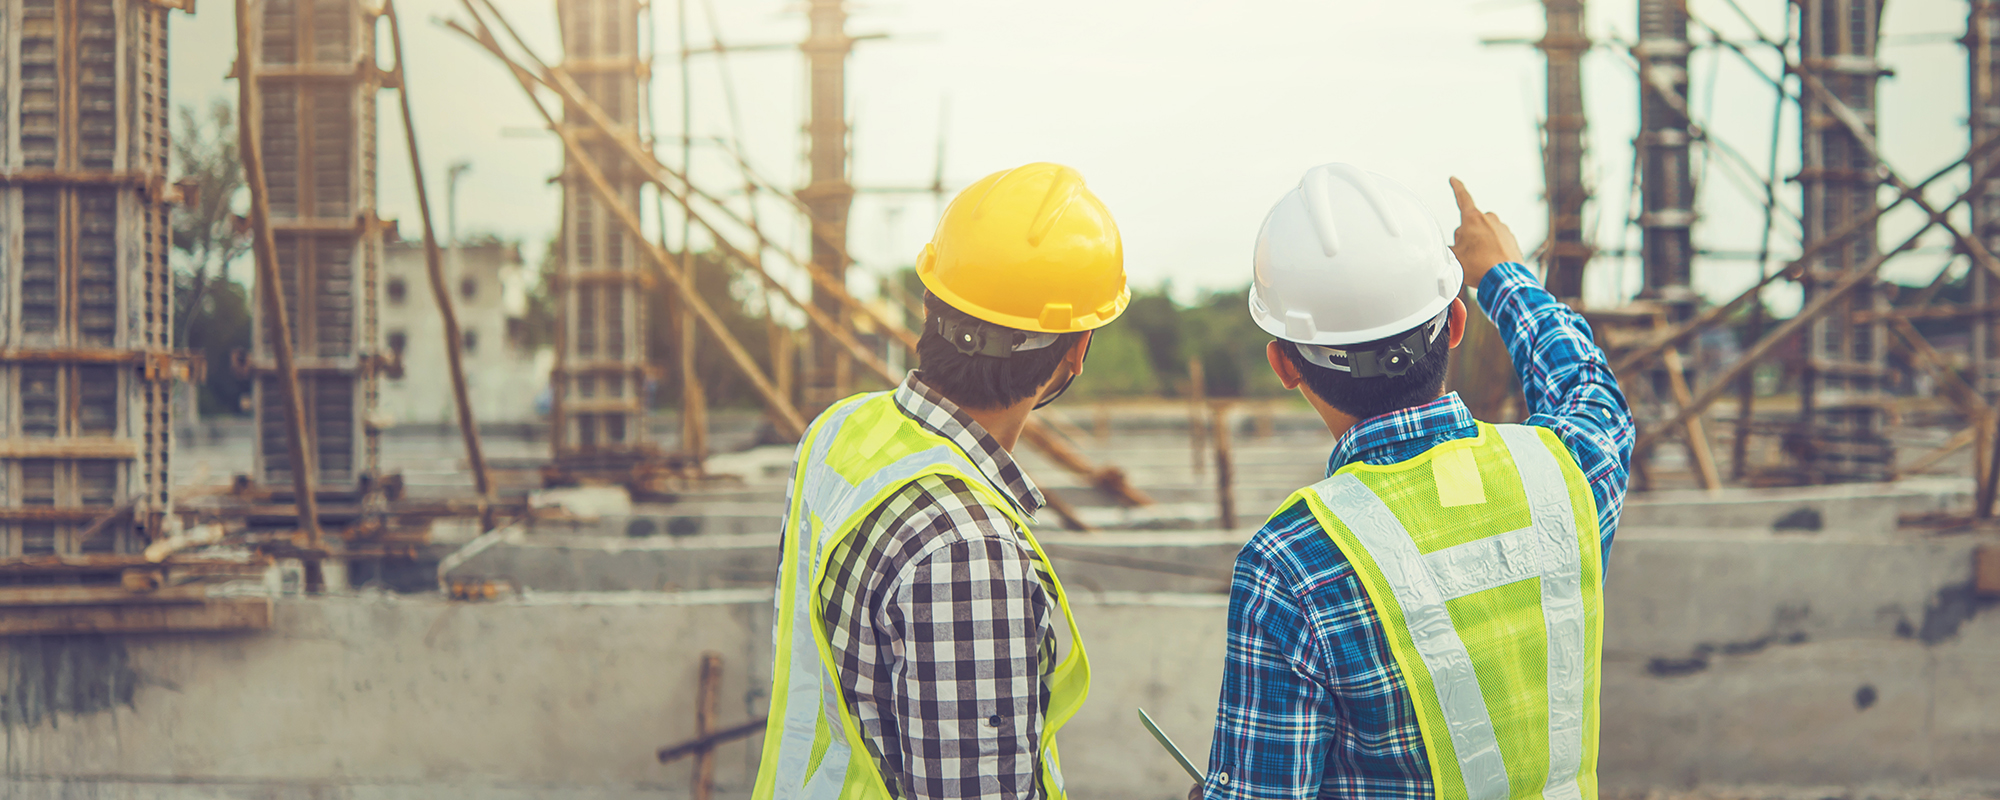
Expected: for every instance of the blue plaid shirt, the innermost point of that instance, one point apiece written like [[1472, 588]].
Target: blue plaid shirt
[[1312, 704]]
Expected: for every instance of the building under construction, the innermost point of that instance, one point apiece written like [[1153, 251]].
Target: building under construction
[[1817, 608]]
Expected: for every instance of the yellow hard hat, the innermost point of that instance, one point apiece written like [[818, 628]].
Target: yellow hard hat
[[1029, 248]]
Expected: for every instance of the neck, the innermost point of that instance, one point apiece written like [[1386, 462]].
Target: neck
[[1004, 423]]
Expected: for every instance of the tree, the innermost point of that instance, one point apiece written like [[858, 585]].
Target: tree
[[214, 314]]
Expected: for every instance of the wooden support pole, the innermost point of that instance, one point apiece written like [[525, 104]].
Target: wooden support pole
[[1225, 493], [1197, 397], [249, 105], [791, 423], [1699, 452], [1958, 441], [704, 723], [447, 311]]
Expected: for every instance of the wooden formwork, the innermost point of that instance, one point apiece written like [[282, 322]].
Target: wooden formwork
[[318, 82], [85, 369], [600, 376], [1845, 361]]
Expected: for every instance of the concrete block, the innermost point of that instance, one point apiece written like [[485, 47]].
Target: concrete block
[[585, 502]]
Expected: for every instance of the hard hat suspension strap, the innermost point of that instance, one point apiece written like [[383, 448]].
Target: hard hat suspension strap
[[977, 337], [1387, 360]]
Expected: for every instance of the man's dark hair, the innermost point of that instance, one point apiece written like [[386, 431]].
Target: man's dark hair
[[983, 382], [1362, 398]]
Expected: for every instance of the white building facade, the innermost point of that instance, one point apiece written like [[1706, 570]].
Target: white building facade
[[489, 289]]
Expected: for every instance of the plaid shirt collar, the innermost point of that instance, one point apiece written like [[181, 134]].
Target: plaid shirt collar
[[1389, 437], [944, 418]]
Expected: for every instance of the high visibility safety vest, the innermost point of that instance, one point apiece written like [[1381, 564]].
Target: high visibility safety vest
[[1481, 557], [852, 459]]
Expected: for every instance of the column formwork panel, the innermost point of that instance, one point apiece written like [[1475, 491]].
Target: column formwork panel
[[600, 372], [1982, 36], [85, 289], [1842, 391], [317, 85]]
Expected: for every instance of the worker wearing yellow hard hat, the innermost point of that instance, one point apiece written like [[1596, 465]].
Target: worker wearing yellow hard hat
[[919, 629]]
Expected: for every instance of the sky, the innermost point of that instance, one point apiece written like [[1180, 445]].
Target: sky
[[1189, 119]]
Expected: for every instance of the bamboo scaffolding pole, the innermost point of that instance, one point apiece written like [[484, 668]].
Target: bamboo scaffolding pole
[[791, 423], [263, 247], [453, 348]]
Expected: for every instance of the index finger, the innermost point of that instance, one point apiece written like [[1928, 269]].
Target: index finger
[[1467, 209]]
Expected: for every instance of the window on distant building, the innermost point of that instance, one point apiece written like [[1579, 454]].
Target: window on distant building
[[398, 291], [470, 341], [397, 341], [469, 288]]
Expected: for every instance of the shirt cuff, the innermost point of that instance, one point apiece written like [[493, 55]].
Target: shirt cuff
[[1502, 274]]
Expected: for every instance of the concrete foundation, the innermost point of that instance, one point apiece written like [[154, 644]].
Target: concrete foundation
[[1734, 657]]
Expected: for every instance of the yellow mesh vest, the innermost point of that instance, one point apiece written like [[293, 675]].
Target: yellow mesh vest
[[852, 459], [1482, 559]]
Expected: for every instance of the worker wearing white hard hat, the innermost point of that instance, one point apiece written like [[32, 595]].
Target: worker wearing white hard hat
[[1427, 621]]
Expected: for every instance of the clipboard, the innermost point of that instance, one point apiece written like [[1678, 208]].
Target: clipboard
[[1167, 743]]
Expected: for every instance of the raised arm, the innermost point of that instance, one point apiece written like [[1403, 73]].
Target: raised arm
[[1564, 375]]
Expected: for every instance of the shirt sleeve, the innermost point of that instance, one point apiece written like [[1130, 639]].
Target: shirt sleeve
[[968, 617], [1275, 723], [1567, 382]]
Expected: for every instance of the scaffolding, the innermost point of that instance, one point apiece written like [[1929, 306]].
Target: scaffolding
[[317, 83], [86, 369]]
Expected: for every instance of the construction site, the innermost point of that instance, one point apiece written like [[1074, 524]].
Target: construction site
[[311, 600]]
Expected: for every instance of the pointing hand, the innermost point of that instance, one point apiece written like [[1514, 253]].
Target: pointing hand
[[1481, 240]]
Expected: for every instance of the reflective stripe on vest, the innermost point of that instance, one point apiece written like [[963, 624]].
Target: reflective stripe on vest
[[1417, 595], [851, 460]]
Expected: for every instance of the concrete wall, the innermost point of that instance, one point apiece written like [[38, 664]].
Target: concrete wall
[[1838, 658], [394, 697]]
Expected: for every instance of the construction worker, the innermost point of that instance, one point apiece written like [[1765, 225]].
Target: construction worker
[[924, 646], [1427, 621]]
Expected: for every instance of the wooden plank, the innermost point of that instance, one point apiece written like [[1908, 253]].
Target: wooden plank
[[72, 447], [16, 596], [234, 614]]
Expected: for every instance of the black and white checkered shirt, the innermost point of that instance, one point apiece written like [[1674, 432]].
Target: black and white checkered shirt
[[942, 624]]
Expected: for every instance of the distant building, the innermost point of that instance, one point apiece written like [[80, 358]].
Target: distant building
[[488, 288]]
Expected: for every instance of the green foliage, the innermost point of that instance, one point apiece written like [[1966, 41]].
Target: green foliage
[[1119, 366], [538, 322], [722, 383], [218, 327], [1216, 329], [213, 312]]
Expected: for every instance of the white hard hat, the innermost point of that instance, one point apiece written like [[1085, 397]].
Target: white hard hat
[[1348, 257]]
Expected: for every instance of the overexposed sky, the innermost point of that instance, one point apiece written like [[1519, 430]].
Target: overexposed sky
[[1188, 118]]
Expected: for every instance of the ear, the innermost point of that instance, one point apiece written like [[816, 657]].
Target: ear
[[1282, 366], [1456, 321], [1077, 353]]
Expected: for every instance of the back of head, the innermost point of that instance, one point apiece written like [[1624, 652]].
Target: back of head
[[1023, 262], [1354, 279]]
